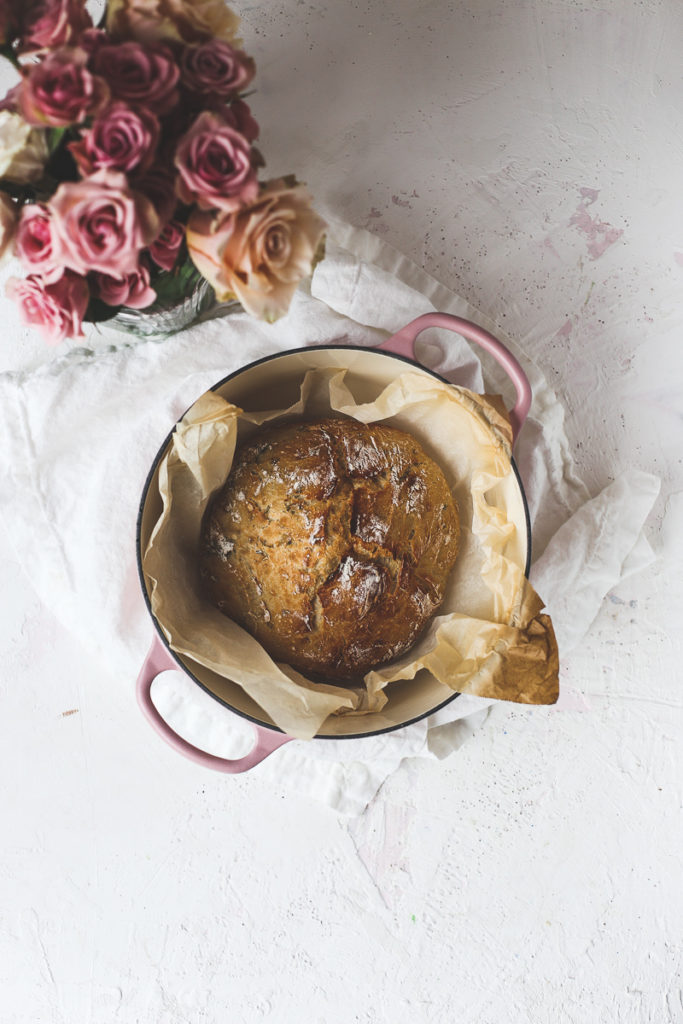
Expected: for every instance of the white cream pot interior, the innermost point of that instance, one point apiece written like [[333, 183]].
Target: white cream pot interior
[[274, 383]]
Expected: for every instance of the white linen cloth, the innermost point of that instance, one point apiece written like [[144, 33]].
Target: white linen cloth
[[80, 434]]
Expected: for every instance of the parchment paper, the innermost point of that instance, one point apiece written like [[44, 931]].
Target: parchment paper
[[490, 638]]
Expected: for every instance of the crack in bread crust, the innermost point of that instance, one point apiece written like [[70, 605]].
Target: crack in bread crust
[[331, 542]]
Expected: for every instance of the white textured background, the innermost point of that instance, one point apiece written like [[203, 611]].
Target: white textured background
[[530, 155]]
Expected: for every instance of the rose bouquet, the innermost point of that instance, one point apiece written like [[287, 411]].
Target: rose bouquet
[[128, 166]]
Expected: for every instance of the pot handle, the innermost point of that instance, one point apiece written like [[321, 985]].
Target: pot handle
[[403, 344], [159, 660]]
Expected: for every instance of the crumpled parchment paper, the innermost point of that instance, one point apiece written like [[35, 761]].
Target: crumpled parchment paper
[[490, 638]]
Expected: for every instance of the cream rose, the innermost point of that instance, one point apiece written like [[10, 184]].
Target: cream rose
[[186, 21], [23, 149], [261, 252]]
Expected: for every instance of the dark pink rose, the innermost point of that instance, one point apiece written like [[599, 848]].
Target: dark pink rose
[[52, 23], [131, 290], [102, 224], [9, 22], [121, 138], [164, 249], [60, 90], [56, 309], [216, 67], [238, 114], [141, 75], [158, 185], [35, 244], [215, 165], [92, 39]]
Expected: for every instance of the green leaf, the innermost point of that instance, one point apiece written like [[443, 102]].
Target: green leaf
[[22, 193], [60, 166], [99, 311], [174, 285], [54, 138], [319, 254], [8, 53]]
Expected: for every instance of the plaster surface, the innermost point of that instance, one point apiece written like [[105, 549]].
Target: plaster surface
[[530, 156]]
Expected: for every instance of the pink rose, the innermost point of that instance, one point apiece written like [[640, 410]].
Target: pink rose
[[60, 90], [131, 290], [164, 249], [56, 309], [52, 23], [215, 164], [140, 75], [258, 253], [120, 138], [217, 68], [102, 224], [35, 244]]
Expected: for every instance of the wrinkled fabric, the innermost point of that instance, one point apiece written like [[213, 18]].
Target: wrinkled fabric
[[81, 433]]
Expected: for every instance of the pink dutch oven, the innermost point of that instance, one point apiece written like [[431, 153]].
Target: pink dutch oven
[[369, 371]]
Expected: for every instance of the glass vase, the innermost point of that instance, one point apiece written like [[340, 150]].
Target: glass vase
[[162, 319]]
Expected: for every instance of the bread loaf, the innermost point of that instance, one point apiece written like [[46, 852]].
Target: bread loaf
[[331, 542]]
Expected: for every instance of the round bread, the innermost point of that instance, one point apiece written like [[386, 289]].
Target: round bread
[[331, 542]]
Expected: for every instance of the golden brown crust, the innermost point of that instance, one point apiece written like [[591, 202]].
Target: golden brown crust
[[331, 542]]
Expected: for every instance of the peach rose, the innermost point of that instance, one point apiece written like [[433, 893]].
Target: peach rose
[[259, 253], [185, 21], [8, 220], [102, 224]]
